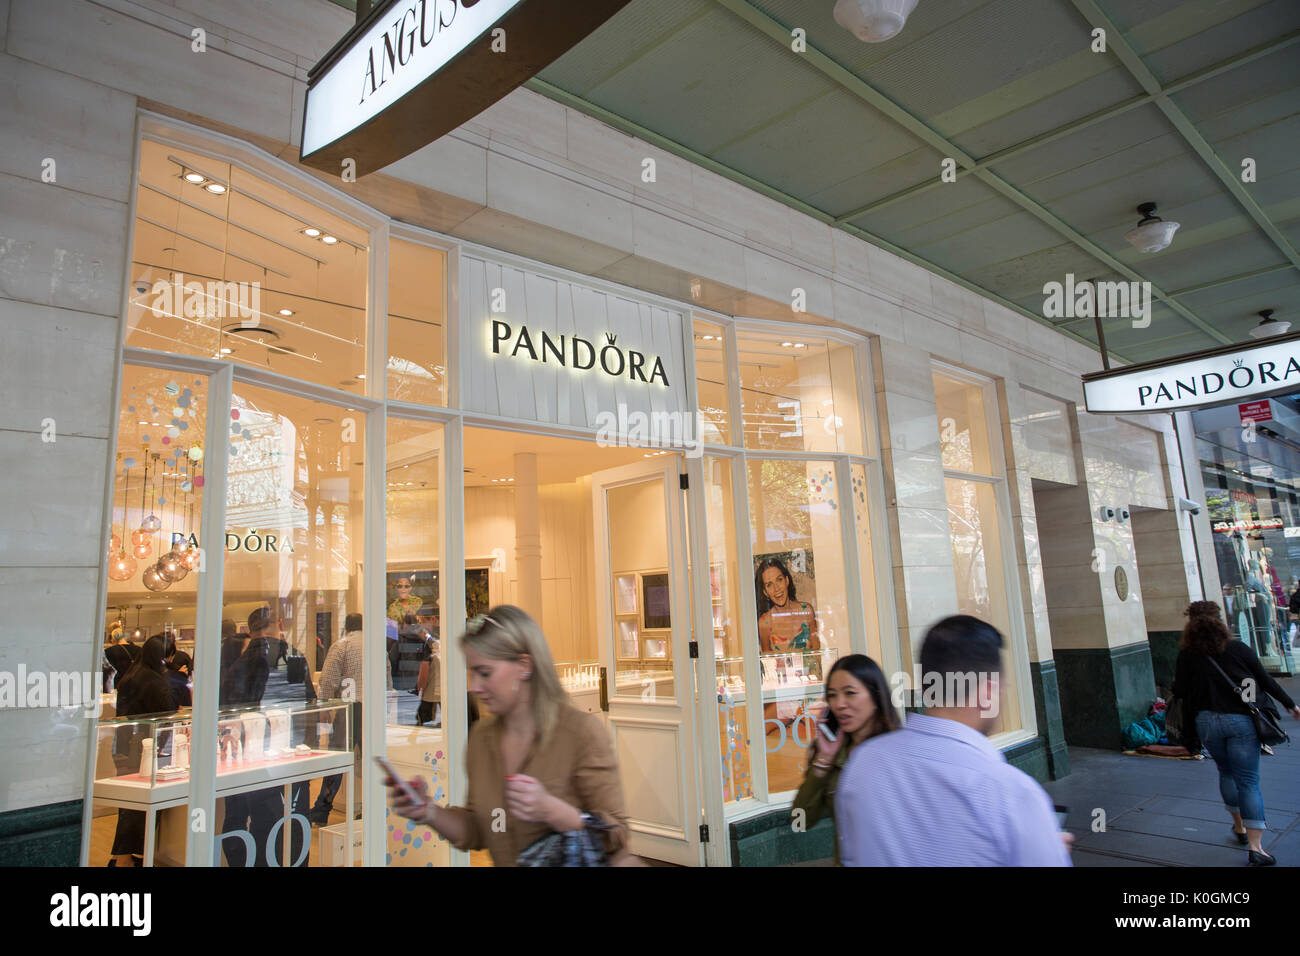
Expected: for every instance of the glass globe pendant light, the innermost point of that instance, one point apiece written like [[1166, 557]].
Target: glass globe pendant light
[[153, 579], [121, 566], [171, 567], [152, 522]]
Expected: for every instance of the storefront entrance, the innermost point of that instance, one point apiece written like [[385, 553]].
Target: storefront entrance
[[598, 556]]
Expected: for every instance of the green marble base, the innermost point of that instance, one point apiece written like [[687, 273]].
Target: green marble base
[[768, 839], [1031, 757], [1164, 652], [1047, 710], [1103, 690], [41, 836]]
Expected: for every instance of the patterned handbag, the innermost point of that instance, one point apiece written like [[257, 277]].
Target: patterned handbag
[[585, 847]]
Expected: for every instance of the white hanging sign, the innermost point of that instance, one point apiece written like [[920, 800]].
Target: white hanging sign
[[1216, 377]]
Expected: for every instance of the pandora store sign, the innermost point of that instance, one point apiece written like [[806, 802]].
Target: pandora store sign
[[548, 348], [1214, 377], [413, 70]]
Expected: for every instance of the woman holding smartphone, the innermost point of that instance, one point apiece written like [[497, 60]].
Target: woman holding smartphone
[[548, 765], [858, 707]]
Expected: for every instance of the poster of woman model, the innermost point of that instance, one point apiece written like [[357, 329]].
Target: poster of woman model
[[785, 593]]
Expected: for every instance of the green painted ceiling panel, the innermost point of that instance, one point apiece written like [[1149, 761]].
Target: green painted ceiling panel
[[1050, 110], [862, 141], [711, 84], [989, 74], [1228, 38]]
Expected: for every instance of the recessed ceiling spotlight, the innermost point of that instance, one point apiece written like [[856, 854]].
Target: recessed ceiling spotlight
[[328, 239], [800, 345], [195, 178], [286, 311], [1152, 233], [362, 376], [216, 188], [1269, 327], [226, 351], [311, 231], [873, 21], [787, 345]]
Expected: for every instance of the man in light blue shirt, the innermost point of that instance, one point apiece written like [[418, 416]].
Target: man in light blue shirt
[[937, 793]]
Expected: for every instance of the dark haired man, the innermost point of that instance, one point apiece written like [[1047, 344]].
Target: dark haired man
[[937, 793]]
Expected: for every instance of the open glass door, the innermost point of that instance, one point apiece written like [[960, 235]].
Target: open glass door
[[644, 629]]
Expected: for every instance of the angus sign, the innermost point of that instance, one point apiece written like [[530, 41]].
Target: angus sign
[[413, 70]]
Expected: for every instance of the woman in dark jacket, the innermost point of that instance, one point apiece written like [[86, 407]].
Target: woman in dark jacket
[[144, 690], [1223, 720], [858, 707]]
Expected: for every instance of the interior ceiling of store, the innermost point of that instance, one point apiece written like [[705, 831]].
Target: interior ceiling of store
[[1055, 145]]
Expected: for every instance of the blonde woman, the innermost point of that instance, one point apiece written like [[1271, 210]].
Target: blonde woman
[[548, 765]]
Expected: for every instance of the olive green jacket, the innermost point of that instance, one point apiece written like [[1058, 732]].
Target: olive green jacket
[[816, 796]]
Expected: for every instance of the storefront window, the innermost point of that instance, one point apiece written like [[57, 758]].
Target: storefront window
[[973, 487], [417, 334], [154, 562], [416, 731], [711, 381], [799, 590], [1252, 494], [229, 265], [860, 495], [799, 393], [725, 581], [293, 588]]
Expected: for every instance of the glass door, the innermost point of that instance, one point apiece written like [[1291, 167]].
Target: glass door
[[644, 632]]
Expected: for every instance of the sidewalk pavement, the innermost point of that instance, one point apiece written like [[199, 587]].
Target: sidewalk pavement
[[1161, 812]]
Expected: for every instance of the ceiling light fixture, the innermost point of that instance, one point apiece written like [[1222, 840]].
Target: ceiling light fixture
[[286, 312], [873, 21], [329, 240], [216, 188], [1269, 327], [195, 178], [1152, 233], [311, 232]]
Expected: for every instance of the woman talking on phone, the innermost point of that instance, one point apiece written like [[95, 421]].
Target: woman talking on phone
[[858, 707], [546, 763]]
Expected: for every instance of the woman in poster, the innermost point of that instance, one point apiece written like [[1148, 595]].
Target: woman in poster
[[784, 622]]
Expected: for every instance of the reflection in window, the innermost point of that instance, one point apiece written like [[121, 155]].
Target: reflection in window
[[711, 381], [798, 393], [229, 265]]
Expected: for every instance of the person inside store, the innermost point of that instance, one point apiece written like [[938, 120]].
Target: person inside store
[[784, 622], [1293, 605], [546, 763], [243, 682], [937, 792], [144, 691], [180, 669], [342, 676], [1214, 702], [121, 654], [412, 644], [857, 708], [429, 684], [405, 601]]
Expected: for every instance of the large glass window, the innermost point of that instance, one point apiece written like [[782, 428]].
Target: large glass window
[[417, 333], [229, 265], [974, 489], [799, 590], [293, 589], [154, 557], [415, 729], [711, 382], [799, 393]]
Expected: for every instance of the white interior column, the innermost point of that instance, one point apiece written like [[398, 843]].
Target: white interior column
[[528, 535]]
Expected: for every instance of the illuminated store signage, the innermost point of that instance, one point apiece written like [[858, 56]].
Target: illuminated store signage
[[413, 70], [1248, 524], [578, 353], [1214, 377]]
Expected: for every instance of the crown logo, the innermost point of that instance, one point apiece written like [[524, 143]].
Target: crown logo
[[610, 337], [1237, 363]]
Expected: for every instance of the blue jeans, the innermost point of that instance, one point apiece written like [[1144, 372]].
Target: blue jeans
[[1234, 745]]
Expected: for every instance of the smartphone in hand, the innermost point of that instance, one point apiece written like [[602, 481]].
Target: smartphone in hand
[[416, 800]]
